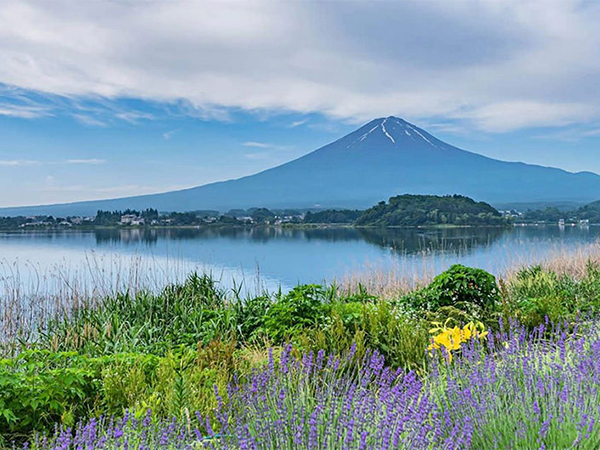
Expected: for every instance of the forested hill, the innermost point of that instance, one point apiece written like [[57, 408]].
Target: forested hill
[[423, 210], [589, 212]]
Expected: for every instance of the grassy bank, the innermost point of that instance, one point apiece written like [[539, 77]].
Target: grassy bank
[[352, 365]]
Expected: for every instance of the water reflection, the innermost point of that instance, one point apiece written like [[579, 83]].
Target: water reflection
[[287, 256], [399, 240]]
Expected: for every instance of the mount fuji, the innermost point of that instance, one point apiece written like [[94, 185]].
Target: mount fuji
[[385, 157]]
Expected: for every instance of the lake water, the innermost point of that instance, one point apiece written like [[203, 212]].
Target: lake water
[[270, 257]]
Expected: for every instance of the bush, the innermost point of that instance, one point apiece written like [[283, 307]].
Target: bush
[[464, 288], [38, 389], [303, 307], [250, 316]]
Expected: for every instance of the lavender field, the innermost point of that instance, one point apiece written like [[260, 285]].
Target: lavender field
[[516, 390]]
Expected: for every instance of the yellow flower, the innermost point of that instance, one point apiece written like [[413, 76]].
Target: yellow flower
[[450, 339]]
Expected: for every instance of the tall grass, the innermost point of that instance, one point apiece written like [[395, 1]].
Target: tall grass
[[401, 278], [31, 297]]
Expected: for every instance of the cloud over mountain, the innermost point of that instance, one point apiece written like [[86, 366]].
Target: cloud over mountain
[[496, 65]]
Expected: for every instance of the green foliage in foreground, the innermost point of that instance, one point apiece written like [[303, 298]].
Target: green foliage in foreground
[[167, 350], [473, 291], [40, 388]]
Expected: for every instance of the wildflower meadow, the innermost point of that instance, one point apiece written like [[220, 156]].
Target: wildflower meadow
[[316, 368]]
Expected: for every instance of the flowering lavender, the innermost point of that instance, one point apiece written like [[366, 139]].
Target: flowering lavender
[[126, 433], [320, 401], [515, 390], [541, 390]]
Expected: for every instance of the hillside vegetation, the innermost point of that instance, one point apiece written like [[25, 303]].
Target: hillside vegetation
[[423, 210], [589, 212], [552, 214]]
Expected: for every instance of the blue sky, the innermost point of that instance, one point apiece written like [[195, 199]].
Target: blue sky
[[113, 98]]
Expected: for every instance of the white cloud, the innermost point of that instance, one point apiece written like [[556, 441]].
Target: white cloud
[[86, 161], [265, 145], [497, 65], [256, 144], [29, 162], [506, 116], [589, 133], [168, 134], [134, 116], [18, 162], [23, 112], [298, 123], [88, 120], [256, 156]]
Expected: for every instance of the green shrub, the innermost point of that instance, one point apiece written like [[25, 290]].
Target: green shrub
[[401, 339], [350, 314], [39, 389], [465, 288], [303, 307], [251, 314]]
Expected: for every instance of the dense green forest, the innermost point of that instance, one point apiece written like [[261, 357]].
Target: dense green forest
[[424, 210], [347, 216], [549, 214], [589, 212]]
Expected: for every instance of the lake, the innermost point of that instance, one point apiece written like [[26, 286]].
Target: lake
[[267, 257]]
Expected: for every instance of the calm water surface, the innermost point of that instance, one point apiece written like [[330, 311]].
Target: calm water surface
[[276, 257]]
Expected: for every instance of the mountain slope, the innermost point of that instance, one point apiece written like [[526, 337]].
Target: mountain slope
[[386, 157]]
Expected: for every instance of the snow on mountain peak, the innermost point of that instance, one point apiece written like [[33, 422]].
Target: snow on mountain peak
[[385, 131], [398, 132]]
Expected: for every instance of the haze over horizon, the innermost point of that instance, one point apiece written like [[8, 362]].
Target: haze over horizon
[[112, 99]]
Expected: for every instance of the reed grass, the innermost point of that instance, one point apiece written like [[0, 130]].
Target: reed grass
[[399, 279]]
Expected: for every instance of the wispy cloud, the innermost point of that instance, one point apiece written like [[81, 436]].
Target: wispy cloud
[[265, 145], [590, 133], [134, 116], [258, 156], [298, 123], [168, 134], [24, 112], [19, 162], [95, 111], [86, 161], [31, 162], [572, 134], [257, 144], [89, 120]]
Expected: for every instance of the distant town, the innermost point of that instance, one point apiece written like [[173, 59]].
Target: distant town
[[152, 218]]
